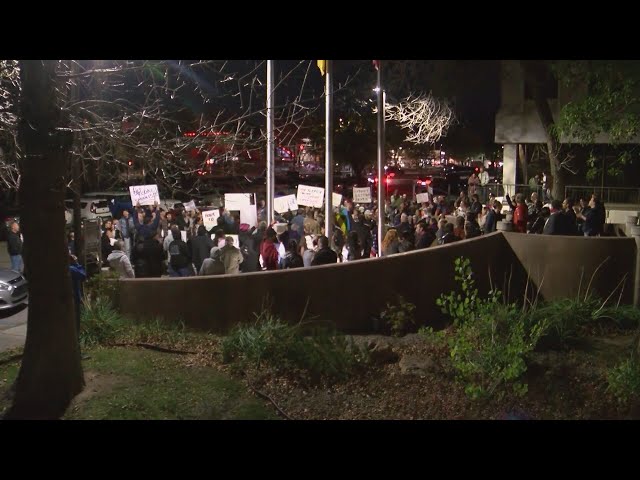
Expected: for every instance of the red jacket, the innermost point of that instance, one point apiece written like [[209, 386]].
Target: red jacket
[[520, 218], [269, 255]]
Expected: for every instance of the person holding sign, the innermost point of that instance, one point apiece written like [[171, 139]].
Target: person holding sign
[[149, 225]]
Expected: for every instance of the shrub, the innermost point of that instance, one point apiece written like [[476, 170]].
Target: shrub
[[461, 306], [319, 351], [399, 318], [100, 323], [624, 381], [102, 286], [489, 351], [490, 338]]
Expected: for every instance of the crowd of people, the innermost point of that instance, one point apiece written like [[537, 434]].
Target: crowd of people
[[152, 242]]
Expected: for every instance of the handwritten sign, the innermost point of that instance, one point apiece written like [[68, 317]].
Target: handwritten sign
[[310, 196], [336, 199], [284, 204], [210, 218], [422, 198], [144, 194], [362, 195], [190, 206]]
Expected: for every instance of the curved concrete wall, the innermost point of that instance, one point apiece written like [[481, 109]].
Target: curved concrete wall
[[349, 295], [557, 263]]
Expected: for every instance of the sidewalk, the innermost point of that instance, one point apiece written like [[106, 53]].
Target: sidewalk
[[13, 337]]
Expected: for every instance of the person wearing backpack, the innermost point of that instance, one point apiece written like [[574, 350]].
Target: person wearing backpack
[[179, 256]]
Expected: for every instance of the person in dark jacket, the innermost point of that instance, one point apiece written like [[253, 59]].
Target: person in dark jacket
[[354, 247], [558, 223], [292, 258], [538, 224], [476, 206], [14, 247], [201, 246], [149, 226], [424, 236], [491, 222], [179, 256], [249, 252], [106, 244], [324, 255], [592, 218]]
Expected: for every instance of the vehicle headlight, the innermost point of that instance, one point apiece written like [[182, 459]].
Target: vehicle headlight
[[5, 287]]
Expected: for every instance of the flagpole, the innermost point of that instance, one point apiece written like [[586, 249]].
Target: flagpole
[[270, 142], [381, 179], [328, 151]]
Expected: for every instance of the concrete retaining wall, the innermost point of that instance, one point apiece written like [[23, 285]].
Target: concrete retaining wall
[[349, 295]]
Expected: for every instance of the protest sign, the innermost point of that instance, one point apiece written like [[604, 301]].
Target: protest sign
[[361, 195], [210, 218], [422, 198], [310, 196], [284, 204], [190, 206], [144, 194]]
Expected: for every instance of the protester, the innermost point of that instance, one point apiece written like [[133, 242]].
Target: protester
[[119, 261]]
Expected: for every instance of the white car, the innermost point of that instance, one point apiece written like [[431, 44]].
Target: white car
[[89, 208]]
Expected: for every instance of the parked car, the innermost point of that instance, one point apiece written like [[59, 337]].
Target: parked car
[[89, 208], [13, 289], [118, 201]]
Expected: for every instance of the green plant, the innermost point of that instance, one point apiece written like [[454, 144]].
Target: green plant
[[316, 350], [104, 285], [490, 338], [489, 350], [461, 306], [100, 323], [400, 317], [624, 380]]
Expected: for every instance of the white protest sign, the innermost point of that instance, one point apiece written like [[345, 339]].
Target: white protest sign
[[362, 195], [310, 196], [144, 194], [249, 215], [210, 218], [183, 234], [284, 204], [234, 201], [422, 198], [190, 206], [336, 199], [242, 202]]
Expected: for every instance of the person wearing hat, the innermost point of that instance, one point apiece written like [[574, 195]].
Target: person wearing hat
[[231, 257], [212, 265]]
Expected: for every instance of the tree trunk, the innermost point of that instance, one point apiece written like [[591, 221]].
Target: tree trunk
[[77, 211], [522, 155], [553, 146], [51, 373]]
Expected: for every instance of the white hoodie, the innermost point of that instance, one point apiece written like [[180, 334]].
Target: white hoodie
[[119, 262]]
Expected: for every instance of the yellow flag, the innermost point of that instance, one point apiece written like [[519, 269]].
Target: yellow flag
[[322, 65]]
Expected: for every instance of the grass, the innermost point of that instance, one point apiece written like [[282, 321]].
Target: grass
[[140, 384], [150, 385]]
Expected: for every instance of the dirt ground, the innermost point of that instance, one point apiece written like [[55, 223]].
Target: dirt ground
[[413, 379]]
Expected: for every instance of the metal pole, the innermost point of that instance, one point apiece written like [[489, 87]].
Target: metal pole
[[381, 179], [328, 151], [270, 142]]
